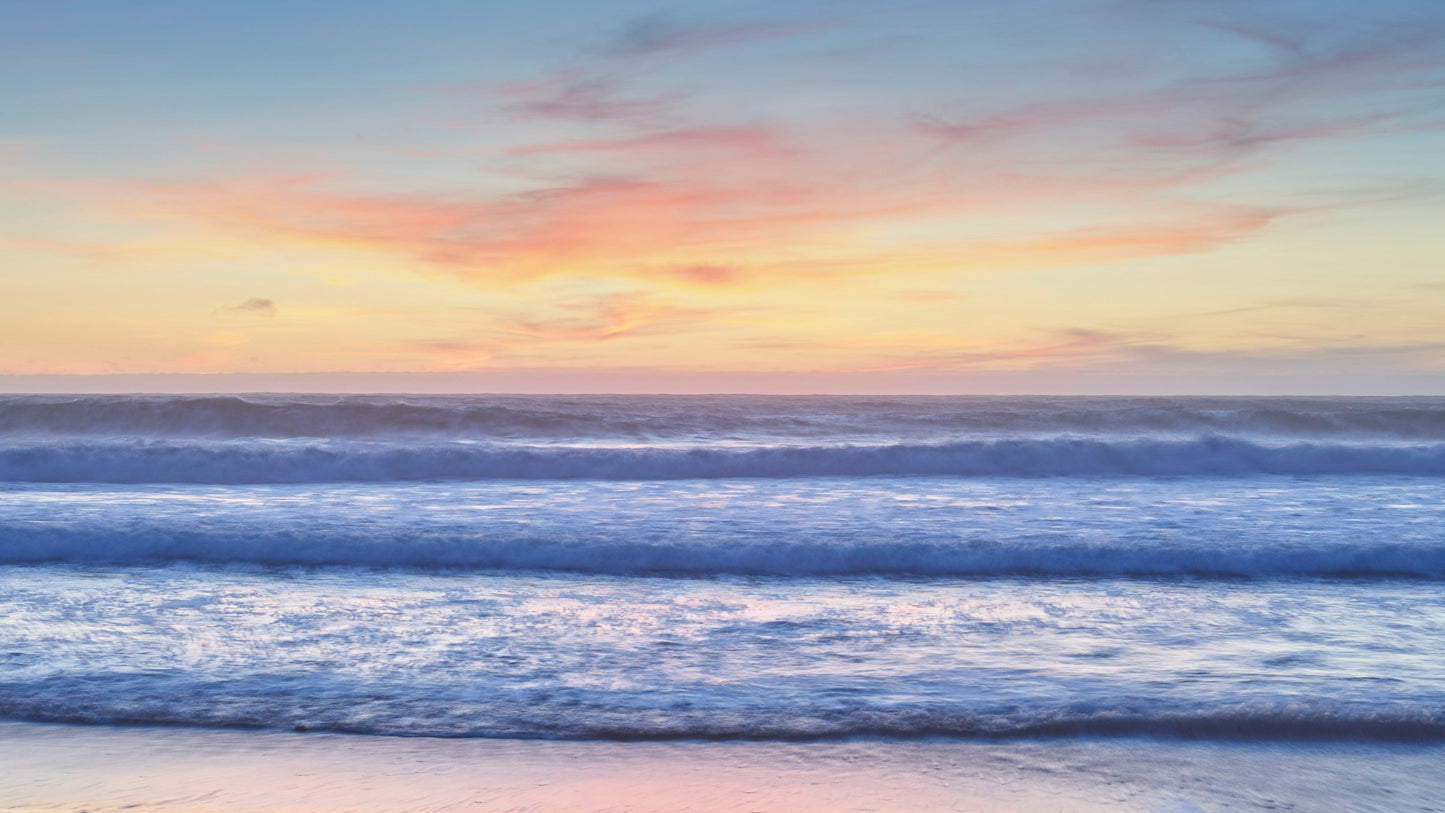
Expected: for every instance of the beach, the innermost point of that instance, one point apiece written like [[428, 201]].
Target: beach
[[102, 769]]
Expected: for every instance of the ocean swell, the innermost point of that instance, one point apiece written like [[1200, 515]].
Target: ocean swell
[[236, 462], [34, 543], [654, 418], [272, 707]]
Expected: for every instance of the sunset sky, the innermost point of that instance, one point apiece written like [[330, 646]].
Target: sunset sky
[[960, 196]]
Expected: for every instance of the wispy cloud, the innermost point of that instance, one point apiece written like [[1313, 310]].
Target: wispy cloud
[[1312, 81], [739, 138], [255, 306], [691, 183], [667, 34], [1133, 355], [659, 190], [599, 85], [1309, 54], [719, 205], [694, 229], [461, 351], [705, 274], [1073, 346], [585, 97], [571, 321], [607, 318]]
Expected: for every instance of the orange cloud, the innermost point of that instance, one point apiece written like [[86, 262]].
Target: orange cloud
[[1206, 229], [652, 194], [700, 204], [705, 274], [610, 317]]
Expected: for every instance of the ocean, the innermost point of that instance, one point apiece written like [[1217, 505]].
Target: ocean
[[750, 571]]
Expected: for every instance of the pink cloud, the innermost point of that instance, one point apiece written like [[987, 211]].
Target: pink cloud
[[718, 204], [706, 274], [692, 212], [610, 317]]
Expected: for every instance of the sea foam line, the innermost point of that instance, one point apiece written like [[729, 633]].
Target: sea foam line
[[1240, 723]]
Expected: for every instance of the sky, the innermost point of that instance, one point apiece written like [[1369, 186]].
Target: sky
[[1092, 196]]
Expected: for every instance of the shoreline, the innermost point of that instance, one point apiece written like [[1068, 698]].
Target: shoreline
[[104, 768]]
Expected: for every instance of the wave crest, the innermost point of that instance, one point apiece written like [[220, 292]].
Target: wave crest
[[1054, 558], [635, 418], [236, 462], [396, 716]]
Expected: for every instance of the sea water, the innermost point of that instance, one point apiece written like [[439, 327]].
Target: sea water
[[1228, 570]]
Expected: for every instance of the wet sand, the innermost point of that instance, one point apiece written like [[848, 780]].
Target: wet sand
[[56, 767]]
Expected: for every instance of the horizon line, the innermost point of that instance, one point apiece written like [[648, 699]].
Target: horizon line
[[621, 382]]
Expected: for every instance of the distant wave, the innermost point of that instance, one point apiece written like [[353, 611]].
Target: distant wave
[[235, 462], [636, 418], [424, 717], [31, 543]]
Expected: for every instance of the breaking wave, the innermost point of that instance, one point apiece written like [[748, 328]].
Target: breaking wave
[[234, 462], [1048, 558], [711, 417], [271, 707]]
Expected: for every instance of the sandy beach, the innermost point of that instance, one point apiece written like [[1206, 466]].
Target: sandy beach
[[56, 767]]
